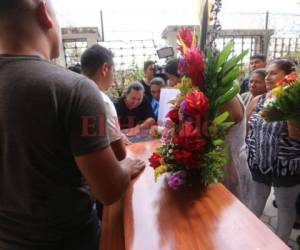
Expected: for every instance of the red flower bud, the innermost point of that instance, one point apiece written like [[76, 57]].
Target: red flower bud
[[173, 115], [155, 160], [196, 103]]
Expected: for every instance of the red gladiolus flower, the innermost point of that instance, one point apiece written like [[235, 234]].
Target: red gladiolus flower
[[188, 130], [187, 37], [186, 158], [190, 138], [173, 115], [155, 160], [289, 79], [182, 154], [192, 64], [196, 103]]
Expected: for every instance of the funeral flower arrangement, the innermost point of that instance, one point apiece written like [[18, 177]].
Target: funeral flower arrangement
[[192, 142]]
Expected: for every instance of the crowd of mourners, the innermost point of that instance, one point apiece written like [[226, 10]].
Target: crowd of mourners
[[261, 154], [63, 139]]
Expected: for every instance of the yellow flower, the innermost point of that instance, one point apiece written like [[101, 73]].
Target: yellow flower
[[159, 171], [185, 85], [276, 91]]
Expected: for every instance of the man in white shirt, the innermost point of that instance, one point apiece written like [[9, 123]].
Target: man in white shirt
[[97, 64]]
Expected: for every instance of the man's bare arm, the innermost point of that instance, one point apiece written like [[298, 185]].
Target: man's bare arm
[[107, 179]]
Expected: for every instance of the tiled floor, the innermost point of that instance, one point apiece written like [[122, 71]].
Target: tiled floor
[[269, 217]]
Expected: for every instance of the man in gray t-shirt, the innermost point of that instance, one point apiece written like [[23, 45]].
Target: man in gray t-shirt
[[52, 134]]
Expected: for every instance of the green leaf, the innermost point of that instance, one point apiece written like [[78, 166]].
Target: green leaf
[[221, 118], [218, 142], [224, 55], [226, 125], [209, 54], [230, 64], [223, 89], [229, 94], [231, 76]]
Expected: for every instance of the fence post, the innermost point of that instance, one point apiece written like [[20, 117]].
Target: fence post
[[266, 37], [267, 21], [102, 26]]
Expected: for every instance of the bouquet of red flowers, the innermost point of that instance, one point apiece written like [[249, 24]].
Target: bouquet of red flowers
[[193, 137]]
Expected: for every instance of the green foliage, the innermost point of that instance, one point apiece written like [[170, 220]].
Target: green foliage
[[223, 56], [233, 62], [229, 94], [133, 74], [221, 118], [123, 78], [230, 77], [288, 102], [220, 76], [212, 166]]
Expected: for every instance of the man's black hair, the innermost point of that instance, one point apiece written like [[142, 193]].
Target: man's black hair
[[147, 64], [75, 68], [261, 72], [93, 57], [134, 86], [259, 56], [158, 81], [172, 67]]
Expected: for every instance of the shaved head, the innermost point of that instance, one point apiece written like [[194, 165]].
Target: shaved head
[[16, 6], [13, 12], [33, 21]]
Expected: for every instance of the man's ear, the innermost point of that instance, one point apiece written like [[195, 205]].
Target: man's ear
[[44, 16], [104, 68], [100, 73]]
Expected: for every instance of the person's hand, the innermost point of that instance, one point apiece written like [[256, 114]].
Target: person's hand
[[134, 166], [133, 131], [153, 131], [125, 140]]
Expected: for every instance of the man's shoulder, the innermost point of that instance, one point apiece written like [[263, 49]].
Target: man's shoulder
[[106, 98], [108, 102], [61, 75], [35, 69]]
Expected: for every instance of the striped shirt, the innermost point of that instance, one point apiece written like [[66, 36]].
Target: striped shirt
[[273, 157]]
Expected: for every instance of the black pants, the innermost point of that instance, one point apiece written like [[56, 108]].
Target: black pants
[[85, 239], [298, 205]]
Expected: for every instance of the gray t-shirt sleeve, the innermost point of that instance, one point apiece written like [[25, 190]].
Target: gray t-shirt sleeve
[[86, 118]]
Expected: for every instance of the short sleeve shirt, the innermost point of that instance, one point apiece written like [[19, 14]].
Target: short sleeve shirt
[[47, 115], [113, 127]]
